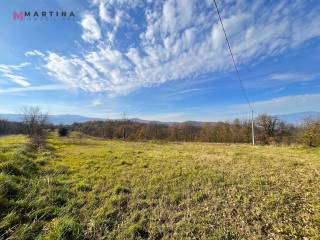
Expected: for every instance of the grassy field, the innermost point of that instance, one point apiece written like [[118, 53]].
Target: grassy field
[[85, 188]]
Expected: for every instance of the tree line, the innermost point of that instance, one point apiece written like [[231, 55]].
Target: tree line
[[268, 130]]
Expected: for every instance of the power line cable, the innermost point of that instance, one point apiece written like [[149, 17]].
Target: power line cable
[[232, 56], [237, 72]]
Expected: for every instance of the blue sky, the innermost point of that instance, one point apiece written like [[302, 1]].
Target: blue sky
[[161, 60]]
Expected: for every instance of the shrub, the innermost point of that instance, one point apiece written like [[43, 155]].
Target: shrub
[[10, 169], [63, 131]]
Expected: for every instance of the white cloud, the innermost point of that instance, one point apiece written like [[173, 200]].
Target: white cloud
[[112, 17], [183, 92], [286, 104], [91, 29], [179, 39], [292, 77], [34, 53], [73, 71], [10, 72], [104, 12], [96, 102], [9, 68], [52, 87], [20, 80]]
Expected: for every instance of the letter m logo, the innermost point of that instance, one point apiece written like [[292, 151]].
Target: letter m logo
[[18, 15]]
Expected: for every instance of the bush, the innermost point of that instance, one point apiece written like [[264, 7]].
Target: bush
[[10, 169], [311, 136], [63, 131]]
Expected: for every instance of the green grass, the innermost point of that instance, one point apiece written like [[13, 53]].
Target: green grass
[[86, 188]]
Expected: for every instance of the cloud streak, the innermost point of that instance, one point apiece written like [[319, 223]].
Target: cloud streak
[[280, 105], [10, 72], [292, 77], [50, 87]]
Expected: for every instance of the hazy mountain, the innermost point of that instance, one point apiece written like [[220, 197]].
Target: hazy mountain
[[297, 118], [69, 119], [293, 118], [11, 117], [138, 120], [54, 119]]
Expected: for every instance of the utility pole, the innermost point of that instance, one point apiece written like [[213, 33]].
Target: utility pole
[[252, 127]]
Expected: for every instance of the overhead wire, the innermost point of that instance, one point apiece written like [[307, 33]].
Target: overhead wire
[[237, 73], [233, 59]]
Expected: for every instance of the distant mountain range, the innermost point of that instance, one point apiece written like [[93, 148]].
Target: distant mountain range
[[293, 118], [297, 118], [54, 119]]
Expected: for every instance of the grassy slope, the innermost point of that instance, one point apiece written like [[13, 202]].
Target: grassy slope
[[130, 190]]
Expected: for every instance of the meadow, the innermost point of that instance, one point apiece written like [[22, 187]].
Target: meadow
[[88, 188]]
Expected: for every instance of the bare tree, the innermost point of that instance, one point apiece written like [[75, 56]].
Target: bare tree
[[268, 126], [35, 122]]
